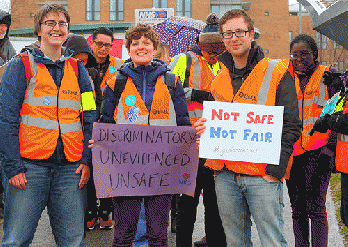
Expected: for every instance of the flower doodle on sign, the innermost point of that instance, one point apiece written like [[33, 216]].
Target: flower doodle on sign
[[185, 180]]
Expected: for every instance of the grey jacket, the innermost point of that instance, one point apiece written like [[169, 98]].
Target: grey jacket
[[6, 47]]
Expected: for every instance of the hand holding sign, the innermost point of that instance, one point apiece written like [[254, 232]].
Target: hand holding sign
[[241, 132], [144, 160]]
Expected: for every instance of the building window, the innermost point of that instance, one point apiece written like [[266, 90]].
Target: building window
[[92, 10], [159, 4], [290, 37], [321, 41], [116, 10], [339, 66], [221, 9], [266, 51], [266, 13], [183, 8], [324, 63], [337, 46]]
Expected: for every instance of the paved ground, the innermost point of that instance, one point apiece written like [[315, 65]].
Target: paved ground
[[98, 238]]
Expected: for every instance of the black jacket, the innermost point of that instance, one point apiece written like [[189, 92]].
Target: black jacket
[[286, 96]]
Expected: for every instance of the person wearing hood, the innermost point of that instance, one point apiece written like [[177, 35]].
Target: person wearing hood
[[201, 60], [82, 52], [6, 48], [246, 189], [143, 73], [44, 148]]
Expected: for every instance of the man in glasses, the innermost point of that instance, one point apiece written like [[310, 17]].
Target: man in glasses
[[197, 69], [246, 188], [106, 67]]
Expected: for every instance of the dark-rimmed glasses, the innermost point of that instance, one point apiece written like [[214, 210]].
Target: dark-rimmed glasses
[[100, 44], [239, 34], [52, 23]]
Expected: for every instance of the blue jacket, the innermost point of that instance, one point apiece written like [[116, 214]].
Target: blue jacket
[[12, 93], [145, 79]]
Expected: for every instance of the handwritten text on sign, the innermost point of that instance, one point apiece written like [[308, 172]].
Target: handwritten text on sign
[[242, 132], [138, 160]]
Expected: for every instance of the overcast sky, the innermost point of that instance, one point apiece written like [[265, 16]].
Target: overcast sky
[[5, 4]]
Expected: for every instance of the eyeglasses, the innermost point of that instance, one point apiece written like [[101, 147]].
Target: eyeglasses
[[239, 34], [100, 44], [52, 23], [300, 55]]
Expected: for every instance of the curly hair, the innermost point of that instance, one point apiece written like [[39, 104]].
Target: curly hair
[[136, 32], [236, 13], [304, 38]]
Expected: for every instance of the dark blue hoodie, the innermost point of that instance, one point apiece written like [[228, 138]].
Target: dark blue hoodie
[[12, 92], [145, 78]]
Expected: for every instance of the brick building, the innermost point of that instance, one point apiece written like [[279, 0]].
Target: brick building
[[277, 21]]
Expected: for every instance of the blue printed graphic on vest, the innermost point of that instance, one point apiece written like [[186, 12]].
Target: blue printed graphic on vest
[[133, 114], [47, 101], [130, 100], [112, 69]]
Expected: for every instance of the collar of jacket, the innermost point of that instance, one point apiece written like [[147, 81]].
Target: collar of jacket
[[40, 57], [255, 55]]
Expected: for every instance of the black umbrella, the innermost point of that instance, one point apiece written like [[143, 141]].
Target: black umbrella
[[330, 21]]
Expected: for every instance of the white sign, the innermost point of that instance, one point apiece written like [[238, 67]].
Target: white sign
[[242, 132], [153, 16]]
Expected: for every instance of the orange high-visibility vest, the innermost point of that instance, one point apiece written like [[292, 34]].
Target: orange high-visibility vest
[[342, 149], [310, 105], [201, 77], [47, 112], [115, 64], [260, 88], [131, 108]]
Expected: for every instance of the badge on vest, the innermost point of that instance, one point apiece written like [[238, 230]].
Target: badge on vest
[[112, 69], [47, 101], [133, 114], [130, 100]]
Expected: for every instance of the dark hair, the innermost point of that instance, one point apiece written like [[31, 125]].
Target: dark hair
[[136, 32], [236, 13], [307, 40], [44, 10], [103, 30]]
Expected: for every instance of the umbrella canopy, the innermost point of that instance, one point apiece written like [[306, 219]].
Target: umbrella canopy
[[332, 21], [179, 33]]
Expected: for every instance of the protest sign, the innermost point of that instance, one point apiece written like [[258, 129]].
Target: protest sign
[[242, 132], [138, 160]]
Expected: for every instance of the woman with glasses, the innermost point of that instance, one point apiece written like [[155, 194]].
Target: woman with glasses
[[44, 150], [313, 155]]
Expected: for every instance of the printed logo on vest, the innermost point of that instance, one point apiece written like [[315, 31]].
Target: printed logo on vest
[[133, 114], [247, 96], [47, 101], [130, 100], [112, 69]]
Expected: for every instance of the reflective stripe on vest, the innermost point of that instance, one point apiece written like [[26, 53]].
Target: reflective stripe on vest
[[311, 103], [266, 83], [196, 71], [138, 113], [47, 111], [202, 76], [265, 77]]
